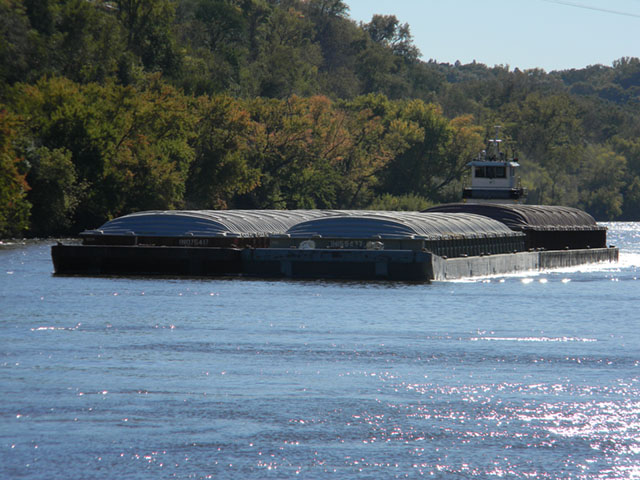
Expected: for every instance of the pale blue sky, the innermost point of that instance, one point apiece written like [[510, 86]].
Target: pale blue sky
[[548, 34]]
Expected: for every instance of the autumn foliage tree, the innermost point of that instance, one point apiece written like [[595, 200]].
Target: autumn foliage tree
[[14, 207], [101, 151], [221, 168]]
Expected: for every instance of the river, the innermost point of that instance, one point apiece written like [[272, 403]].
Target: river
[[523, 376]]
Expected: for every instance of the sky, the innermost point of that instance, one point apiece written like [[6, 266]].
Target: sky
[[524, 34]]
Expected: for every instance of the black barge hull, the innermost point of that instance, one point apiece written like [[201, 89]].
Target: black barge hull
[[401, 265], [145, 260]]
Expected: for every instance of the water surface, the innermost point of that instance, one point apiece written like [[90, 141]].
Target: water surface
[[529, 376]]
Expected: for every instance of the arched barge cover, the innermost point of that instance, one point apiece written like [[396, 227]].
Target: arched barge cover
[[431, 226], [526, 217], [205, 223]]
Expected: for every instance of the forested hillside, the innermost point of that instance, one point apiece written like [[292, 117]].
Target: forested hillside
[[110, 107]]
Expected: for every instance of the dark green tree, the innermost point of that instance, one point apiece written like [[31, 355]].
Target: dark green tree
[[55, 191], [220, 171], [435, 159], [14, 206], [289, 59], [148, 26], [386, 30], [16, 55]]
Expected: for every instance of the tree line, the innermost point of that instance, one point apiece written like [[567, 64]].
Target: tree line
[[110, 107]]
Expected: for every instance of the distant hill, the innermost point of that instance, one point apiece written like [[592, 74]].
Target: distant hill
[[112, 106]]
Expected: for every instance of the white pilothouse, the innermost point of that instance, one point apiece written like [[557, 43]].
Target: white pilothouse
[[494, 177]]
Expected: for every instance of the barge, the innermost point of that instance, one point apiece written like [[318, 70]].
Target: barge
[[490, 233], [417, 246]]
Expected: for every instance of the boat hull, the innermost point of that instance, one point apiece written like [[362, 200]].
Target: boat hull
[[402, 265]]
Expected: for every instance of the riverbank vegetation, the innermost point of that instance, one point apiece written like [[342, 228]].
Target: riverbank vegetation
[[110, 107]]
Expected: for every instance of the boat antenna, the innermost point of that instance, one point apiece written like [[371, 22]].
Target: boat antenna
[[493, 146]]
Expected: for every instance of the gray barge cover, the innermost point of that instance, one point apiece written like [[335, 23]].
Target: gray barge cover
[[548, 227], [205, 223], [520, 217], [432, 226], [251, 223]]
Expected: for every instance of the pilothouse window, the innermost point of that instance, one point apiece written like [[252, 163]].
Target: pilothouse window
[[491, 172]]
